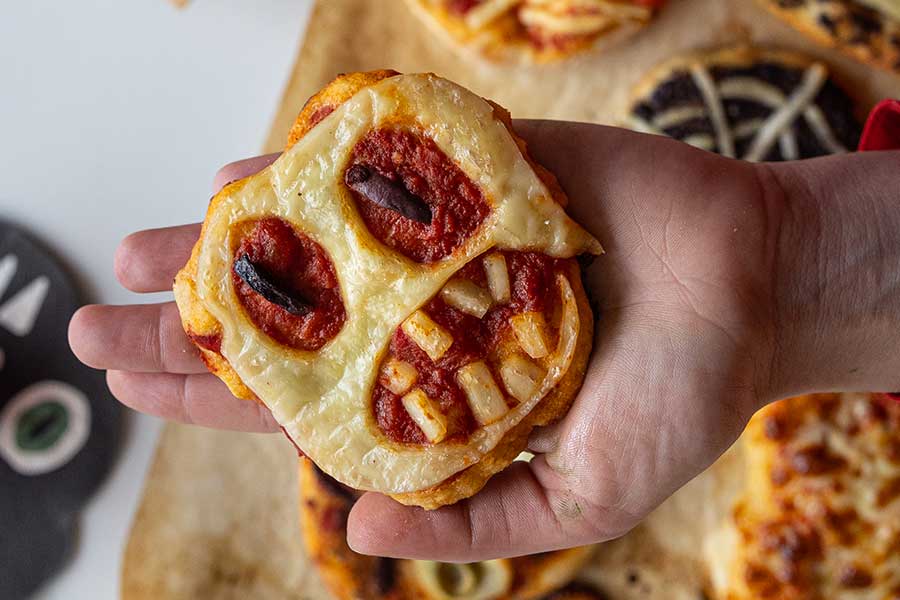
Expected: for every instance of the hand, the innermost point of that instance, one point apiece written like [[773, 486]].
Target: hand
[[701, 320]]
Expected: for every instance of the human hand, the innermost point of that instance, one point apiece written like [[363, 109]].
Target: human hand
[[699, 326]]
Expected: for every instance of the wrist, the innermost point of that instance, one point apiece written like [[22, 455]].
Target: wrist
[[835, 275]]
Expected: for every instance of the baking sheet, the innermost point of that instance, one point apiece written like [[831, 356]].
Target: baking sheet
[[219, 514]]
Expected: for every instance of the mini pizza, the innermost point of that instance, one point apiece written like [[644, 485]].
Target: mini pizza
[[750, 103], [820, 517], [400, 288], [868, 30], [533, 31], [324, 507]]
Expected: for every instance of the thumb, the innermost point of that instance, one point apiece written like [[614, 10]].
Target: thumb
[[526, 509]]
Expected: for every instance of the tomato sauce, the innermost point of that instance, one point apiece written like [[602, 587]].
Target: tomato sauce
[[319, 114], [211, 342], [457, 205], [532, 287], [301, 268]]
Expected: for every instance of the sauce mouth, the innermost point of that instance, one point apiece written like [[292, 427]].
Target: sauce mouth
[[465, 358]]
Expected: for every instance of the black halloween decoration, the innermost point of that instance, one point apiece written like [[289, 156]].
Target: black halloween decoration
[[59, 427]]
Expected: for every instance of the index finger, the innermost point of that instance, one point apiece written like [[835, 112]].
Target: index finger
[[147, 261]]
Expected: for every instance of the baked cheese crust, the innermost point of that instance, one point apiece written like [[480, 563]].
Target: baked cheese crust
[[321, 398], [820, 518]]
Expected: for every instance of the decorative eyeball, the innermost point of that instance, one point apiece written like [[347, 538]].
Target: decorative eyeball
[[474, 581], [43, 427]]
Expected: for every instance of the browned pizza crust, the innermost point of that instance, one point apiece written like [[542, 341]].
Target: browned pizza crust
[[324, 507], [206, 332], [865, 33]]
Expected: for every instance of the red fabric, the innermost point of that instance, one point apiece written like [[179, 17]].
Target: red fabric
[[882, 130]]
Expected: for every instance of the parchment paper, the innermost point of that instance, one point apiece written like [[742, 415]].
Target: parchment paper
[[219, 513], [361, 35]]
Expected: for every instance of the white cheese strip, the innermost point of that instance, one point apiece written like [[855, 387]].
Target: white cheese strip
[[520, 376], [427, 415], [398, 376], [467, 296], [487, 12], [704, 82], [485, 398], [428, 335], [497, 276], [559, 24], [813, 80], [530, 330]]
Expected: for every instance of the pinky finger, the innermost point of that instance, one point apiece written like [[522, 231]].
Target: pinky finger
[[193, 399]]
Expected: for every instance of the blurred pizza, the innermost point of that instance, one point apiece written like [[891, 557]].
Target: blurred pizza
[[820, 515], [324, 507], [868, 30], [534, 31], [747, 102]]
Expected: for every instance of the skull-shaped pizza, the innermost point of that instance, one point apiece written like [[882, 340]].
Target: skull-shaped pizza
[[400, 288], [534, 31]]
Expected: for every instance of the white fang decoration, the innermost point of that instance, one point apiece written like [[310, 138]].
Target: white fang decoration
[[19, 313]]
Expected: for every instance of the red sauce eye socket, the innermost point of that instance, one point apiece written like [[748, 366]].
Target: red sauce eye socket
[[413, 198], [287, 285]]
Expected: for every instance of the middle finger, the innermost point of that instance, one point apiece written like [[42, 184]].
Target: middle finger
[[145, 338]]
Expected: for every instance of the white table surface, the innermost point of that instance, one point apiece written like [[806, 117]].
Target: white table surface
[[114, 116]]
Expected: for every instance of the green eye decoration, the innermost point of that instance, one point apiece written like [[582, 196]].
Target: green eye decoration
[[41, 426]]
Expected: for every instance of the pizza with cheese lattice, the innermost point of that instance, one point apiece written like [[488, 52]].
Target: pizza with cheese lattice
[[324, 507], [868, 30], [820, 518], [400, 288], [744, 102], [533, 31]]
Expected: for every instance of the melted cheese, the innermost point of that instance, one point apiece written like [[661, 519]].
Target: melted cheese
[[821, 514], [322, 399]]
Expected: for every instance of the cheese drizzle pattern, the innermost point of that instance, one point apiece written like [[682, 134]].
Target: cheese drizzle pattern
[[735, 111]]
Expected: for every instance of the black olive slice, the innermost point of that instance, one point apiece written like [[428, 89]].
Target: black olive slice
[[262, 284], [387, 193]]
